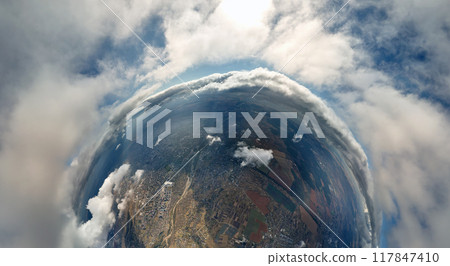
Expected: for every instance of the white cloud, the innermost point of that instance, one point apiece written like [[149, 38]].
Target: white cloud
[[47, 108], [245, 13], [321, 62], [208, 32], [200, 33], [408, 143], [52, 118], [123, 203], [253, 156], [93, 233], [137, 175], [212, 139], [122, 206]]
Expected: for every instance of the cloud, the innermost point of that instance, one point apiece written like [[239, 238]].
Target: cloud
[[199, 32], [408, 142], [212, 139], [137, 175], [253, 156], [324, 55], [395, 105], [48, 108], [406, 40], [123, 203], [122, 206], [45, 129], [94, 232]]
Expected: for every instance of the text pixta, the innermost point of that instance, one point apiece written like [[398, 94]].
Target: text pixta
[[297, 258], [308, 124]]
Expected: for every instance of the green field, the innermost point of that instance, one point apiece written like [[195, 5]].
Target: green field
[[253, 226], [280, 198]]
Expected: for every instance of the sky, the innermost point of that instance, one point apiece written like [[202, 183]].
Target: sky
[[66, 66]]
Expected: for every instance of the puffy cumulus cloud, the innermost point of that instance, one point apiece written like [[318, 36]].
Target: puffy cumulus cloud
[[253, 156], [212, 139], [407, 140], [123, 202], [211, 32], [137, 175], [218, 32], [322, 56], [122, 205], [322, 62], [94, 232]]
